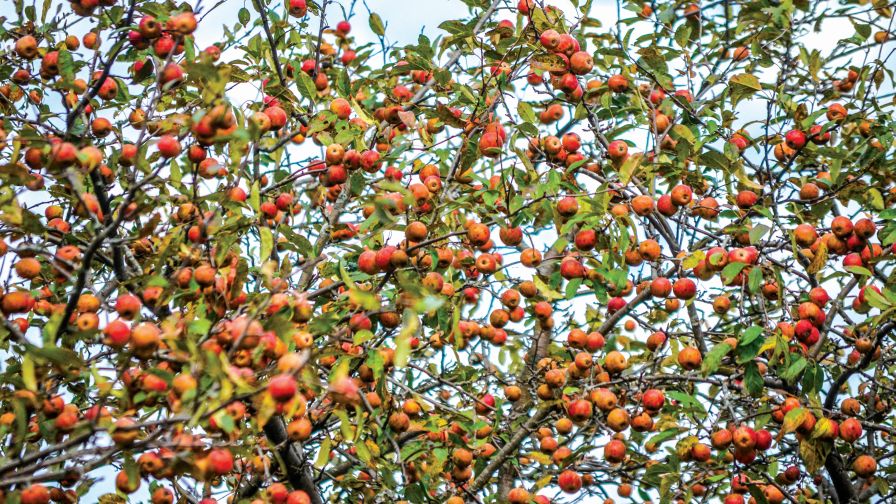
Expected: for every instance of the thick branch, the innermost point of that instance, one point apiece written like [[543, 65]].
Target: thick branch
[[297, 470]]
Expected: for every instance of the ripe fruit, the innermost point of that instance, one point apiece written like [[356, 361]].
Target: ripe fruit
[[297, 8], [36, 493], [681, 195], [850, 430], [282, 387], [568, 206], [665, 206], [569, 481], [684, 288], [795, 139], [615, 362], [416, 231], [864, 466], [614, 451], [169, 146], [660, 287], [841, 226], [580, 410], [809, 191], [28, 267], [127, 306], [865, 228], [617, 150], [617, 83], [220, 461], [720, 439], [586, 239], [478, 234], [581, 63], [510, 236], [518, 496], [746, 199], [689, 358], [653, 399], [642, 205], [550, 39], [124, 484]]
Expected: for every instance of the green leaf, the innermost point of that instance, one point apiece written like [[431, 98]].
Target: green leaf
[[750, 335], [758, 232], [344, 276], [254, 197], [731, 270], [46, 10], [876, 300], [713, 358], [62, 357], [683, 35], [686, 400], [862, 30], [743, 86], [875, 199], [754, 279], [546, 290], [306, 86], [573, 287], [682, 132], [526, 112], [409, 329], [376, 24], [858, 270], [795, 368], [66, 66], [753, 380], [132, 470], [663, 436], [323, 456], [749, 347]]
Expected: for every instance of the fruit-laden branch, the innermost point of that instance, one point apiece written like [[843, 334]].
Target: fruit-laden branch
[[107, 69], [274, 55], [297, 469], [846, 493], [508, 450]]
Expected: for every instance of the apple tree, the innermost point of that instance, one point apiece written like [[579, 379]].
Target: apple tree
[[576, 252]]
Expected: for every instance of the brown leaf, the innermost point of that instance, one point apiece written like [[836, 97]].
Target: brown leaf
[[408, 118]]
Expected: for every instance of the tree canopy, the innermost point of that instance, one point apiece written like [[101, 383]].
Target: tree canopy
[[538, 254]]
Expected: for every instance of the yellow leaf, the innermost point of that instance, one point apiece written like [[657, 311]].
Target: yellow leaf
[[545, 290], [28, 375], [818, 262], [814, 452], [794, 419], [769, 344], [362, 114], [629, 167], [266, 410]]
